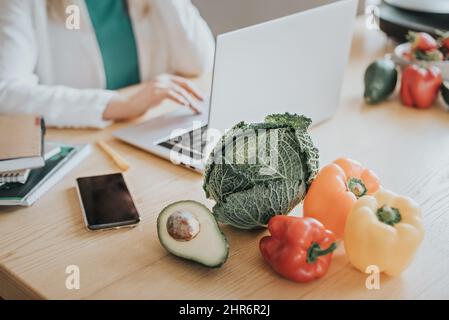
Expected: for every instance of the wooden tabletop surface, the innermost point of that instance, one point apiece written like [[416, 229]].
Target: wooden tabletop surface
[[409, 150]]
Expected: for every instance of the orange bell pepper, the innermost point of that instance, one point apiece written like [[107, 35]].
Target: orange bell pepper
[[335, 190]]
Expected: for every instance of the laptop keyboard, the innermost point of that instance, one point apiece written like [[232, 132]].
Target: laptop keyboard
[[190, 143]]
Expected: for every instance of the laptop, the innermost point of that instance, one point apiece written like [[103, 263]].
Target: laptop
[[292, 64]]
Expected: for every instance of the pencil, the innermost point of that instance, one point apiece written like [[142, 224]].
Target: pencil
[[117, 158]]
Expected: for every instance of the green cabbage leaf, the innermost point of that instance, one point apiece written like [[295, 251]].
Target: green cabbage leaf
[[260, 170]]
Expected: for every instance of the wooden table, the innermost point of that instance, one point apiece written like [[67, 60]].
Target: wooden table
[[409, 149]]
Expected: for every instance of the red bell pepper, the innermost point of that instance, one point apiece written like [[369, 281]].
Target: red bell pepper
[[420, 86], [300, 249]]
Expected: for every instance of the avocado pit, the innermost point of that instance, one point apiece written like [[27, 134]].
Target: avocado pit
[[182, 226]]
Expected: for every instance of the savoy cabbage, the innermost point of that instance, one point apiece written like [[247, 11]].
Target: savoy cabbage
[[257, 171]]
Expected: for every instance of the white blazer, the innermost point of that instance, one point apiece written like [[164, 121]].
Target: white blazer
[[47, 69]]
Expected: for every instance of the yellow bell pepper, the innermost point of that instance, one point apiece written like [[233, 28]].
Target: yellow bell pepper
[[385, 230]]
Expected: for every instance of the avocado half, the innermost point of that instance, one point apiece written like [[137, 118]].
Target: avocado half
[[189, 230]]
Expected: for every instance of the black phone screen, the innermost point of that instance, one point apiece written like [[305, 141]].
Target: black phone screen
[[107, 202]]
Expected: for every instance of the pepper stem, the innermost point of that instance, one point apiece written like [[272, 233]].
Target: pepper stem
[[357, 187], [315, 251], [388, 215]]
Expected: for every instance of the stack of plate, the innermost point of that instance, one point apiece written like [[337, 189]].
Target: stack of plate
[[397, 17]]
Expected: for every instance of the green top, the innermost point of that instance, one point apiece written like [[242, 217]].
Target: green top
[[115, 37]]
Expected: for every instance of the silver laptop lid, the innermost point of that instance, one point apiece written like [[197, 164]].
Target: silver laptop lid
[[293, 64]]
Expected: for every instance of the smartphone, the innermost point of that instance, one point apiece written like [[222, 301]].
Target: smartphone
[[106, 202]]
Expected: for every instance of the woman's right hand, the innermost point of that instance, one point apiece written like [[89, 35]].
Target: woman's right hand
[[153, 93]]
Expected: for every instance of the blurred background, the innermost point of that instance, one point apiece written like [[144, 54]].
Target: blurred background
[[228, 15], [394, 17]]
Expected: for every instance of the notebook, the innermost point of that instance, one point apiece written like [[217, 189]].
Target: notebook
[[21, 141], [42, 179], [21, 176]]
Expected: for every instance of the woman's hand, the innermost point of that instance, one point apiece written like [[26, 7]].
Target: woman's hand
[[153, 93]]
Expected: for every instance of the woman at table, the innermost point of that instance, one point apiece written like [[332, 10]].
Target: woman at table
[[70, 76]]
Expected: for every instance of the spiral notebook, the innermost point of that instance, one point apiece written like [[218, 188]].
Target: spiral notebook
[[42, 179], [21, 176], [22, 142]]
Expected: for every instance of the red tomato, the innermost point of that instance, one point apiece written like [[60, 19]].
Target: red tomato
[[422, 41]]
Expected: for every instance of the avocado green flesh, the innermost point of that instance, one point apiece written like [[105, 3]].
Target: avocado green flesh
[[209, 247], [380, 80]]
